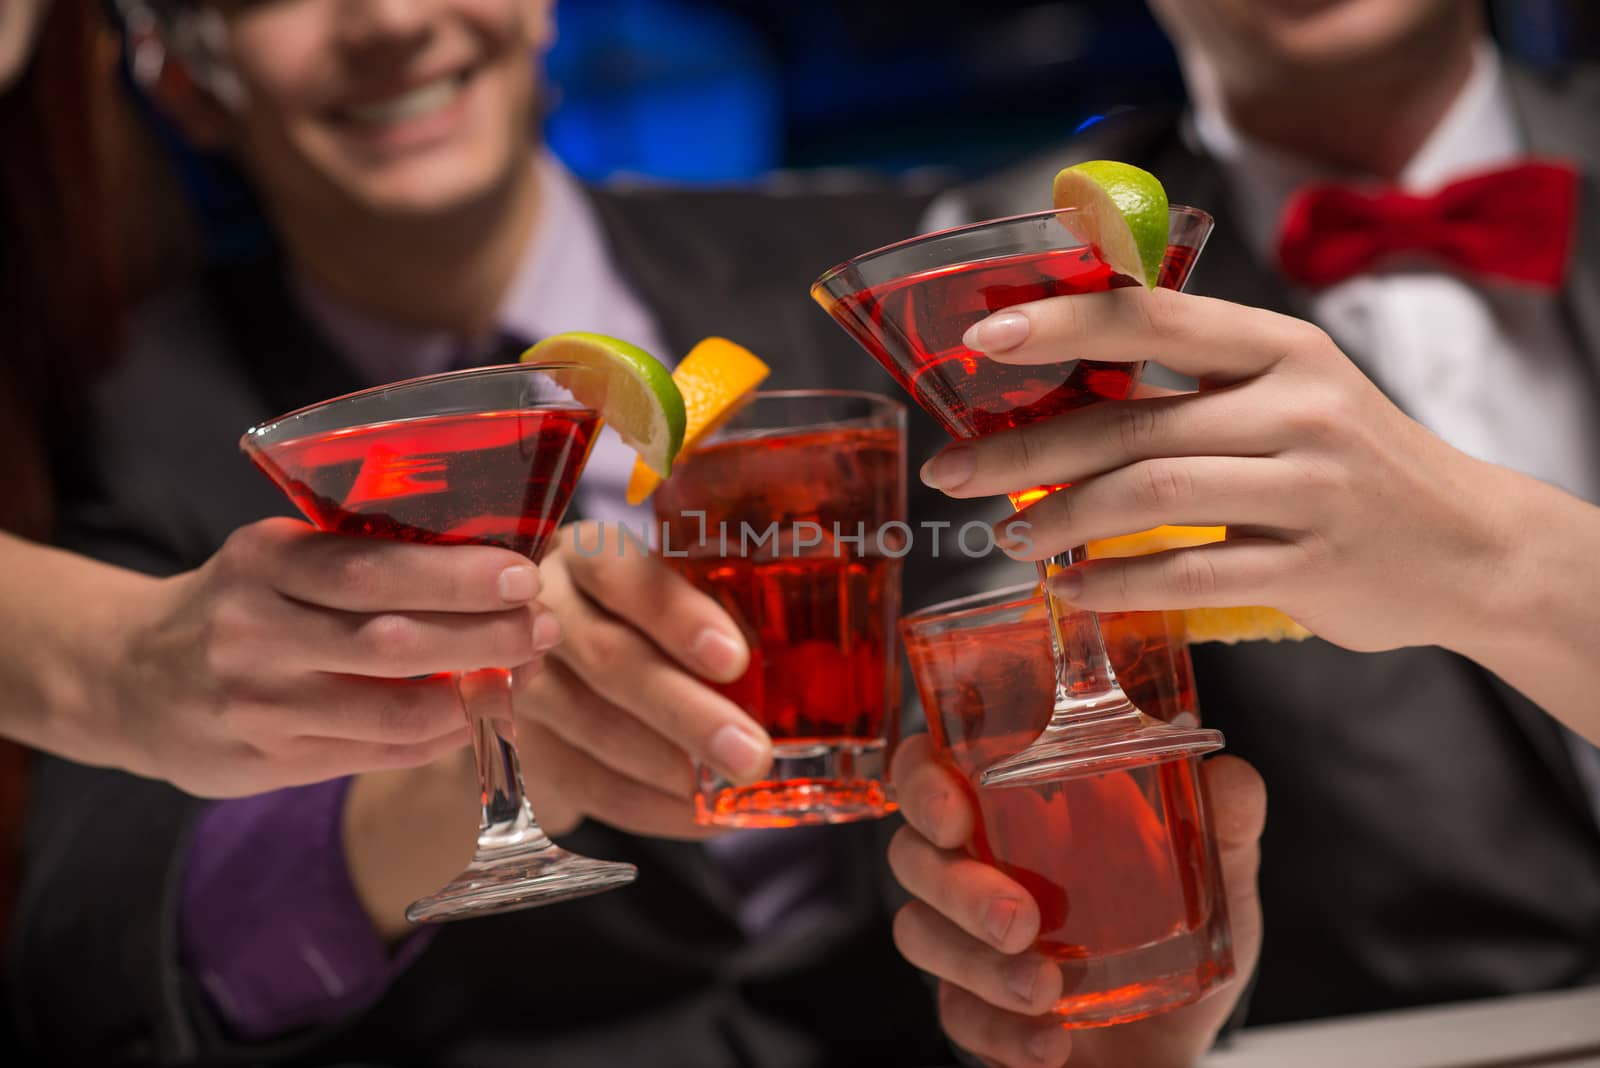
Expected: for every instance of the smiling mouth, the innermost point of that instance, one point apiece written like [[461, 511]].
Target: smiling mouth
[[414, 103]]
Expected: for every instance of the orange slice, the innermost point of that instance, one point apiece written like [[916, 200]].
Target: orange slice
[[1230, 625], [1204, 624], [715, 376]]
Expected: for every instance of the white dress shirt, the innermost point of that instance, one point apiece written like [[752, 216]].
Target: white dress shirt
[[1492, 369], [565, 280], [1439, 343]]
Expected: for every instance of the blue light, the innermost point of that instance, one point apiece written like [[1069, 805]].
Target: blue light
[[1086, 123], [674, 89]]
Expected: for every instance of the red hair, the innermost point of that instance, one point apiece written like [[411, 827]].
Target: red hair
[[60, 294], [60, 301]]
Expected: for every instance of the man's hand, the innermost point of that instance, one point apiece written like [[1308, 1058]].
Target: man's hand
[[606, 731], [972, 926], [609, 727], [294, 656]]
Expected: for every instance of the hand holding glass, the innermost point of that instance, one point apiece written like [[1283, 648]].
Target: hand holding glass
[[910, 305], [482, 457]]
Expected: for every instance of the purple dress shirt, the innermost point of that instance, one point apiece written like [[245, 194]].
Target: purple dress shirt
[[269, 922]]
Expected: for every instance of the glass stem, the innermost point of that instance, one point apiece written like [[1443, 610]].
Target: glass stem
[[506, 821], [1087, 691]]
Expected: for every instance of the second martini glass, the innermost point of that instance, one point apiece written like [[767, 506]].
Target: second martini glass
[[481, 457], [909, 304]]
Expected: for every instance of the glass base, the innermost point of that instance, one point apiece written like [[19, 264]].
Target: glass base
[[525, 877], [812, 782], [1073, 752], [1182, 970]]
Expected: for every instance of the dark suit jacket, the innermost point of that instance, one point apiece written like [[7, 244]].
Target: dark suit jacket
[[1427, 835], [656, 974]]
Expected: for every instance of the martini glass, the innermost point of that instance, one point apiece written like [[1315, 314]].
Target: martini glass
[[909, 304], [479, 457]]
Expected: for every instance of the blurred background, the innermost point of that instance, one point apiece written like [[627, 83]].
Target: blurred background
[[730, 90]]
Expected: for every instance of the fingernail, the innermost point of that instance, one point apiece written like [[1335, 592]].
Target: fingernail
[[998, 333], [718, 655], [1066, 585], [546, 632], [933, 810], [950, 468], [1049, 1046], [998, 917], [519, 584], [1021, 977], [1009, 536], [738, 754]]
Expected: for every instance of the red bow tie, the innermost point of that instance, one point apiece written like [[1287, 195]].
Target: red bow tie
[[1512, 225]]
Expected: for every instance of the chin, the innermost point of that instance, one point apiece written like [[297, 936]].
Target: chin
[[1325, 34], [427, 188]]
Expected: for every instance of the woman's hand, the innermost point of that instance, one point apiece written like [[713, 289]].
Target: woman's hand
[[1341, 510], [294, 656]]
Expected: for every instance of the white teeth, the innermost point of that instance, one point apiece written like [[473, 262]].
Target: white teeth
[[409, 105]]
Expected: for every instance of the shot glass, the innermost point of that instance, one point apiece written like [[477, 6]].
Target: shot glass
[[792, 516], [1123, 861]]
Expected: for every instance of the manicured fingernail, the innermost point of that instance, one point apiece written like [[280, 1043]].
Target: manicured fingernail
[[737, 753], [950, 468], [1022, 976], [718, 655], [998, 333], [546, 632], [1049, 1045], [998, 917], [1066, 585], [519, 584]]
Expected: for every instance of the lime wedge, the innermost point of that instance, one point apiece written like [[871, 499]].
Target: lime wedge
[[714, 379], [1122, 213], [634, 393]]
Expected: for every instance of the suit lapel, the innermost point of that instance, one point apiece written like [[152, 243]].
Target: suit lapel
[[1558, 122], [292, 365], [1582, 294], [1227, 268]]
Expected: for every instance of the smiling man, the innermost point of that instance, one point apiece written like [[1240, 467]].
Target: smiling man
[[418, 226]]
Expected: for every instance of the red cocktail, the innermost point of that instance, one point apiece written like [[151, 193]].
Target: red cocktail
[[783, 518], [486, 457], [1149, 651], [495, 478], [1122, 862], [913, 326], [909, 305]]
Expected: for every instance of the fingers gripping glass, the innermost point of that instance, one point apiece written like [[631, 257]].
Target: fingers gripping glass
[[482, 457], [909, 305], [791, 517]]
